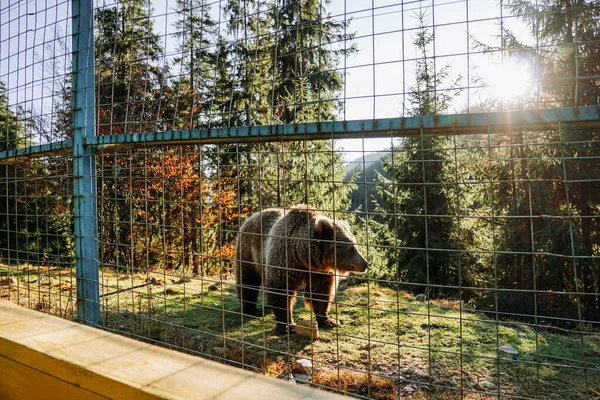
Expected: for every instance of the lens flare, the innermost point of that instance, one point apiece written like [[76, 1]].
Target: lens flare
[[509, 81]]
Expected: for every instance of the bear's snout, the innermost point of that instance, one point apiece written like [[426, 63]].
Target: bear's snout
[[360, 265]]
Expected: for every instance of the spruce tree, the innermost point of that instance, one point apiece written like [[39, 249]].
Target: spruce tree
[[131, 90], [419, 195], [567, 31], [285, 61], [196, 64]]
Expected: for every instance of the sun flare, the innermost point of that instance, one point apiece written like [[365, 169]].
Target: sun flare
[[509, 81]]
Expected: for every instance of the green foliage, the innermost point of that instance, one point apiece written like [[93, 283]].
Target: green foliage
[[37, 223], [131, 94], [197, 63], [130, 85], [12, 130], [365, 172], [419, 195], [531, 180], [289, 77]]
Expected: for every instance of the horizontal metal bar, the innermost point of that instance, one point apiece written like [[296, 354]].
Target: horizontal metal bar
[[452, 124], [42, 150]]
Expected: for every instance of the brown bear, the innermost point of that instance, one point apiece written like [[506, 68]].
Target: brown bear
[[292, 250]]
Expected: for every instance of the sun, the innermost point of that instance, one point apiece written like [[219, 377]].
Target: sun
[[508, 81]]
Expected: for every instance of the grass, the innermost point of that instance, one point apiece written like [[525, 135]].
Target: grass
[[390, 346]]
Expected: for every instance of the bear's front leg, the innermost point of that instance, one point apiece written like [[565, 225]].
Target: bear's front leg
[[281, 285], [320, 296], [283, 307]]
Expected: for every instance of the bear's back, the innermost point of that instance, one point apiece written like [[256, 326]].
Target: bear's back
[[253, 235], [297, 223], [290, 237]]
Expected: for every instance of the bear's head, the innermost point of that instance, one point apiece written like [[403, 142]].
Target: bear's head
[[337, 247]]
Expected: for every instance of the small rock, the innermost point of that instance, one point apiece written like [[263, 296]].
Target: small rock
[[213, 287], [124, 277], [302, 378], [290, 378], [421, 297], [307, 328], [415, 372], [487, 385], [460, 340], [303, 366], [410, 388], [508, 350], [220, 350], [8, 281]]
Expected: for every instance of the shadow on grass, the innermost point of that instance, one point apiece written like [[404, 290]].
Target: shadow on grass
[[390, 346], [206, 322]]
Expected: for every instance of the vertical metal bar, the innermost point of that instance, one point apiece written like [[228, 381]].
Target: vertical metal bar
[[84, 164]]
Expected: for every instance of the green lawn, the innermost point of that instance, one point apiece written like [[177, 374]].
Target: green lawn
[[390, 346]]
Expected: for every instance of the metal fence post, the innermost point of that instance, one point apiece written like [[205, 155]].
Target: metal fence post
[[84, 164]]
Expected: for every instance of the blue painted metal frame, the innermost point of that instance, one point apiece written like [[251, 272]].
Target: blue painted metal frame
[[84, 164], [48, 149], [453, 124]]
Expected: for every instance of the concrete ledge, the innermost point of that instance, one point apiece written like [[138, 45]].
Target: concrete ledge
[[42, 356]]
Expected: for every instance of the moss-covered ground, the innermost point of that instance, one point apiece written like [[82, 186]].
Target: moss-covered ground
[[391, 345]]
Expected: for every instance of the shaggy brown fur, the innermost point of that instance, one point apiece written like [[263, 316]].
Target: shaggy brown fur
[[288, 251]]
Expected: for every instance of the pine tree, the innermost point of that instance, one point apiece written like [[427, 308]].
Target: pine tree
[[131, 94], [11, 128], [306, 58], [10, 138], [567, 30], [420, 193], [129, 81], [196, 63], [285, 65]]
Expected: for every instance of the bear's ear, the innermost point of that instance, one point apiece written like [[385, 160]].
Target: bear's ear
[[344, 223], [323, 228]]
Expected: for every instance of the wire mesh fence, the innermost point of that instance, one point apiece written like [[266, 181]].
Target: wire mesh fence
[[421, 176]]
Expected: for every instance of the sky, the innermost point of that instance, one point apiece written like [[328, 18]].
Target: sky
[[375, 77]]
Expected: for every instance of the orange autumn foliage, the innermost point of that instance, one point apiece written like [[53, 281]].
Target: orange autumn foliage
[[205, 203]]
